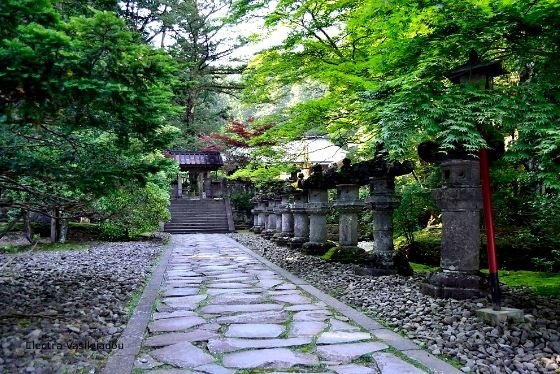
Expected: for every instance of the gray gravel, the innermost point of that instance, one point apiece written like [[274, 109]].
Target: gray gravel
[[64, 311], [443, 327]]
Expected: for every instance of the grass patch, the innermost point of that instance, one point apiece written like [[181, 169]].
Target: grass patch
[[50, 247], [134, 300], [546, 284], [421, 268], [542, 283]]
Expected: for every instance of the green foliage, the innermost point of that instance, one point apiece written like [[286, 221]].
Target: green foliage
[[132, 212], [548, 265], [84, 108], [242, 201], [414, 209], [425, 249]]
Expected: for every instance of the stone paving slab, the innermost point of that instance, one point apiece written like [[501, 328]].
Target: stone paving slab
[[338, 325], [237, 298], [177, 337], [180, 291], [236, 344], [264, 317], [306, 328], [184, 302], [389, 364], [254, 330], [236, 308], [175, 324], [224, 308], [173, 314], [279, 358], [182, 355], [355, 369], [347, 352], [332, 337]]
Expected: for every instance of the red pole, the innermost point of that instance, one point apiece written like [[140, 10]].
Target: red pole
[[489, 226]]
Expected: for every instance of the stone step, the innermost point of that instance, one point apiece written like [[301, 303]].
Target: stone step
[[194, 231], [196, 219], [188, 225], [197, 216], [206, 213]]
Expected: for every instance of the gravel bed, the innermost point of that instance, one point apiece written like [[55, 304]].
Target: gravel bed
[[443, 327], [64, 311]]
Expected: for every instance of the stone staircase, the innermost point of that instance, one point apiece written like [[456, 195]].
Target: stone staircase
[[194, 216]]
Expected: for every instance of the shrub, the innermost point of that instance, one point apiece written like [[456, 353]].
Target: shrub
[[414, 210], [241, 201], [132, 212]]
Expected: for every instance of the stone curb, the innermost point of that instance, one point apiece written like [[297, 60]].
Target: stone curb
[[404, 345], [122, 360]]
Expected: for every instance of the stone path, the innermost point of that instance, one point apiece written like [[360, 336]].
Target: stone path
[[222, 309]]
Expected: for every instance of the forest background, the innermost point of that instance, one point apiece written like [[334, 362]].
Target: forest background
[[92, 92]]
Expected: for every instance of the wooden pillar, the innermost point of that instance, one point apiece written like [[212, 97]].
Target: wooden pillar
[[179, 185]]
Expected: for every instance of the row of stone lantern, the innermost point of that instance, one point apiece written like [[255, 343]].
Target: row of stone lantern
[[296, 214]]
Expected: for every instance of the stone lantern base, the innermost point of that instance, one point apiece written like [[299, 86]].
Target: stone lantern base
[[285, 239], [297, 242], [346, 254], [455, 285], [385, 263], [315, 249]]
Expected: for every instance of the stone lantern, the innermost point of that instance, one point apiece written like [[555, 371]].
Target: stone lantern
[[481, 74], [278, 210], [287, 223], [381, 174], [465, 191], [270, 227], [317, 208], [301, 219], [349, 205], [262, 203], [256, 211], [460, 201]]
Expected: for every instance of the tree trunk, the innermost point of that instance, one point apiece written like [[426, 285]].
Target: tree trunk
[[27, 227], [190, 107], [62, 228], [54, 225]]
